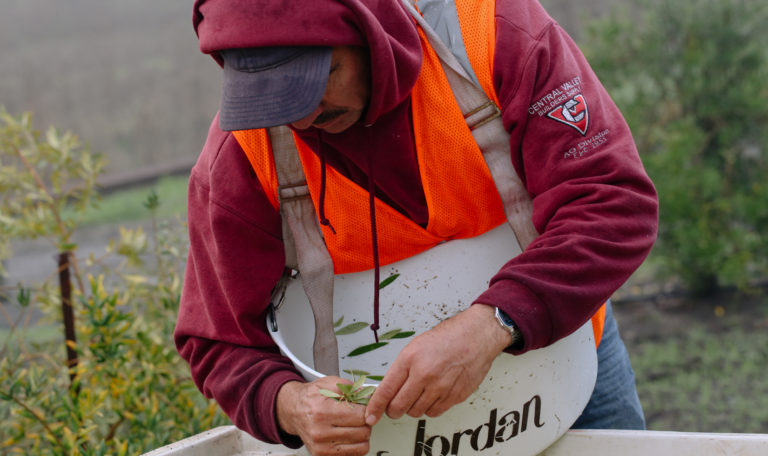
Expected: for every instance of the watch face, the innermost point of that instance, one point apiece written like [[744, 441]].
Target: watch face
[[505, 318]]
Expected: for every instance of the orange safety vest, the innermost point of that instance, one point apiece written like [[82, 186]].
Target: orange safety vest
[[438, 127]]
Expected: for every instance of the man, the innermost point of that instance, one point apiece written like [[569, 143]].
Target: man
[[353, 79]]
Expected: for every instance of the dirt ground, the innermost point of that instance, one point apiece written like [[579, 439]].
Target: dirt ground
[[656, 318], [701, 364]]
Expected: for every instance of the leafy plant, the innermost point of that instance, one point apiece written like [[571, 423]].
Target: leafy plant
[[355, 393], [40, 176], [690, 79], [129, 391]]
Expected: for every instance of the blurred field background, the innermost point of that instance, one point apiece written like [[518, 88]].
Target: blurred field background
[[128, 78]]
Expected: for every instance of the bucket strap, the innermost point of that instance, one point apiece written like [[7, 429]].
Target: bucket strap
[[304, 246]]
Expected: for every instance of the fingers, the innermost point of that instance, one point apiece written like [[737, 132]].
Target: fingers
[[339, 429], [387, 389], [408, 389], [325, 425], [330, 434], [457, 394], [422, 391], [414, 406], [439, 368], [405, 399], [430, 398], [343, 449]]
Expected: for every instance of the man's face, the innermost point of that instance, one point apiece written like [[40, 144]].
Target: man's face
[[346, 94]]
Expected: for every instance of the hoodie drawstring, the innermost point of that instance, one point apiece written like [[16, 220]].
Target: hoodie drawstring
[[375, 242], [321, 206], [374, 239]]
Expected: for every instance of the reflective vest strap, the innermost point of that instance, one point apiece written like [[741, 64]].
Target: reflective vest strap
[[254, 143]]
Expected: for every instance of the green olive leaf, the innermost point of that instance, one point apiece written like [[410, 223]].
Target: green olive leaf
[[345, 389], [365, 391], [331, 394], [388, 280], [356, 373], [366, 348], [359, 383], [351, 328], [389, 334]]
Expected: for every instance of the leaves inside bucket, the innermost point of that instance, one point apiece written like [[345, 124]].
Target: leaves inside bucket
[[396, 334], [366, 348], [388, 280], [351, 328]]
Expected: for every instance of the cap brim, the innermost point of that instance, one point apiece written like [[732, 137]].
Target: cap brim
[[276, 95]]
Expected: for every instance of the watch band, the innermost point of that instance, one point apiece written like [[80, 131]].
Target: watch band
[[507, 323]]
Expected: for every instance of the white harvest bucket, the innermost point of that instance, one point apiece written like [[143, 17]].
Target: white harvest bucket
[[525, 402]]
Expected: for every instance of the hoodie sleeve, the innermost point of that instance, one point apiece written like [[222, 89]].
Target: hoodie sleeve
[[221, 330], [593, 204]]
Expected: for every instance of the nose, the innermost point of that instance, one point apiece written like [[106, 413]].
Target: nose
[[306, 122]]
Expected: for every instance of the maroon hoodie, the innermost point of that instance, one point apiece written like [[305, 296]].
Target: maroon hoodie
[[594, 206]]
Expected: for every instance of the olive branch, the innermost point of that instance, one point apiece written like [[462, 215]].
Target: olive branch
[[355, 393], [360, 325]]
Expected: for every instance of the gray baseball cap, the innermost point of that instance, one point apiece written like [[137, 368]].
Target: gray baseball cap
[[270, 86]]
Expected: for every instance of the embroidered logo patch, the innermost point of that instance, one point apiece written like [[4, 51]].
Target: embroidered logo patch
[[572, 113]]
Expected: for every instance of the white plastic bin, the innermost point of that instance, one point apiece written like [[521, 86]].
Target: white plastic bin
[[230, 441]]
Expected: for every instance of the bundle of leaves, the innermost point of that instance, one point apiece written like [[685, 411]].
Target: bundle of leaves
[[356, 393]]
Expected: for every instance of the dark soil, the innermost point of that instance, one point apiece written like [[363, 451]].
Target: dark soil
[[701, 364], [659, 317]]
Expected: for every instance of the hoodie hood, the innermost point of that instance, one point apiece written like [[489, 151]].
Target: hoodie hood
[[389, 33], [383, 26]]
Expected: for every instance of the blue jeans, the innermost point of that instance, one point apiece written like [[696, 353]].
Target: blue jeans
[[614, 403]]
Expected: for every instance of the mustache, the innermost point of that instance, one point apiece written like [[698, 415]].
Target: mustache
[[327, 116]]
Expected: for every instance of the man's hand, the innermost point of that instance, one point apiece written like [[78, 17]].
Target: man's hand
[[441, 367], [326, 426]]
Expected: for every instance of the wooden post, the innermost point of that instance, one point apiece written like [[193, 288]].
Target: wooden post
[[65, 286]]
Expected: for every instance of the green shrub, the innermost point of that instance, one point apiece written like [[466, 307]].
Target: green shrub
[[690, 79], [117, 386]]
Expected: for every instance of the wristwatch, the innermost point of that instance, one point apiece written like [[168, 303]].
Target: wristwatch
[[507, 323]]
